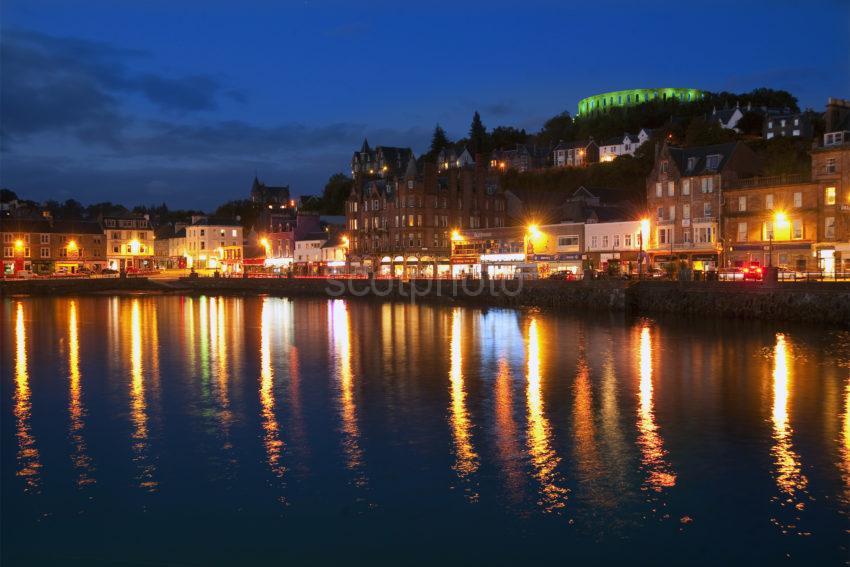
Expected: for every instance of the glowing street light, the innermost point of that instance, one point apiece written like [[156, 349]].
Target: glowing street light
[[644, 234], [780, 220], [344, 241], [19, 244], [72, 245], [456, 237], [534, 231]]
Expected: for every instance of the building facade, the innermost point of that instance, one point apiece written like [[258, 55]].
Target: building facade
[[129, 242], [613, 246], [214, 244], [613, 148], [399, 223], [575, 154], [684, 196], [45, 246]]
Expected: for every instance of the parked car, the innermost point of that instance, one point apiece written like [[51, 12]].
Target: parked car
[[108, 271], [753, 271], [565, 275]]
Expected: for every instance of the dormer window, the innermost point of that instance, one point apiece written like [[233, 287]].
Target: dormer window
[[712, 162], [692, 163], [664, 166]]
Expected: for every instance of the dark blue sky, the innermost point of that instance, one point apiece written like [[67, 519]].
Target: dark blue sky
[[143, 102]]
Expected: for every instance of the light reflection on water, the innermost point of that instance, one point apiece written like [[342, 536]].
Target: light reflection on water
[[532, 417]]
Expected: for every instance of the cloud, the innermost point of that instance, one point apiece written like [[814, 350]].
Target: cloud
[[70, 85]]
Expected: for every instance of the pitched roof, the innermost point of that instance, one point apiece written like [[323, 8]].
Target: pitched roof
[[46, 226], [698, 157]]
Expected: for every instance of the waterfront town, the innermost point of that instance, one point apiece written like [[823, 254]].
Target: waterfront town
[[709, 211]]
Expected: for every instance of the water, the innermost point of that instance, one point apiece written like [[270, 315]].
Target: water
[[172, 430]]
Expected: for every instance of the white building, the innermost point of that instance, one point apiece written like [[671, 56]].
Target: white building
[[625, 145], [214, 244], [333, 254], [308, 251], [614, 241]]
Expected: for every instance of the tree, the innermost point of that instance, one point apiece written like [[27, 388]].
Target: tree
[[335, 193], [556, 129], [507, 137], [477, 135], [751, 123], [703, 132], [7, 195], [245, 209], [439, 141]]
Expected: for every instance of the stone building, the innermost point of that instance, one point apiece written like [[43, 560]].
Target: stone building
[[399, 220], [684, 193], [45, 246], [129, 242]]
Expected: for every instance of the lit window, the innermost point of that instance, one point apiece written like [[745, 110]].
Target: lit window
[[830, 195], [798, 199], [768, 201]]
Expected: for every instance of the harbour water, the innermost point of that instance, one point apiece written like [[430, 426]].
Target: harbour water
[[203, 430]]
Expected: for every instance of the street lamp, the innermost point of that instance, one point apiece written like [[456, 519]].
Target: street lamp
[[644, 233], [780, 219]]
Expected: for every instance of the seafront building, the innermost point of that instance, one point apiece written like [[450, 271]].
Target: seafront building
[[400, 216], [129, 242], [45, 246]]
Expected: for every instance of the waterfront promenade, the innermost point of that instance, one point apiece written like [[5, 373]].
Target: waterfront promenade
[[822, 303]]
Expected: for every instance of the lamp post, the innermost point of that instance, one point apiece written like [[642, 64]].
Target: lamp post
[[779, 219], [644, 232]]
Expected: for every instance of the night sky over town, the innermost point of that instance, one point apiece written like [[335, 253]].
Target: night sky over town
[[184, 102]]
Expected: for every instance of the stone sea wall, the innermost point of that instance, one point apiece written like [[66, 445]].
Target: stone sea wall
[[822, 303]]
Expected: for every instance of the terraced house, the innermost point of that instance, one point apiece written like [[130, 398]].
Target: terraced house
[[400, 214], [684, 196], [47, 246]]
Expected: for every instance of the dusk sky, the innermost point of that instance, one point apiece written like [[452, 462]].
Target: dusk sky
[[181, 102]]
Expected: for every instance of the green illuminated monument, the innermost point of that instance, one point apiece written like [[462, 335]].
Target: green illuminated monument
[[605, 101]]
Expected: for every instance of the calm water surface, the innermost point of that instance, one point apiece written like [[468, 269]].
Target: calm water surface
[[172, 430]]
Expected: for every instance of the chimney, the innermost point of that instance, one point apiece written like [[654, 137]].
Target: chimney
[[836, 110]]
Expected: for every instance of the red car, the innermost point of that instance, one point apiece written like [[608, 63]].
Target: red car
[[753, 271]]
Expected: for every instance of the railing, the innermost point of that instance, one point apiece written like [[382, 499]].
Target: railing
[[769, 180]]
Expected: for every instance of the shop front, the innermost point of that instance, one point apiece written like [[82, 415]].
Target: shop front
[[548, 264], [790, 255], [503, 266], [465, 266]]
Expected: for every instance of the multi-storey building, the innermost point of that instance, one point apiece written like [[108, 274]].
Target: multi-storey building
[[684, 194], [623, 145], [792, 125], [129, 242], [399, 220], [575, 154], [45, 246], [831, 171], [614, 245], [214, 244], [521, 158], [334, 251], [308, 252], [449, 157], [280, 245], [771, 220], [799, 222], [275, 206]]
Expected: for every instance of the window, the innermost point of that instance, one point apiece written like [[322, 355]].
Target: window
[[665, 236], [686, 187], [605, 241], [672, 212], [706, 209], [45, 252], [627, 240], [705, 235], [830, 195], [798, 199], [27, 252], [116, 249], [742, 232], [233, 233], [796, 122], [203, 245], [797, 229], [742, 203], [658, 190], [116, 236], [664, 166], [594, 241], [707, 184], [686, 211], [7, 238], [660, 213], [45, 239], [7, 251], [712, 162], [616, 241], [692, 163], [768, 201], [570, 241], [671, 188], [770, 123], [830, 165], [686, 235], [829, 227]]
